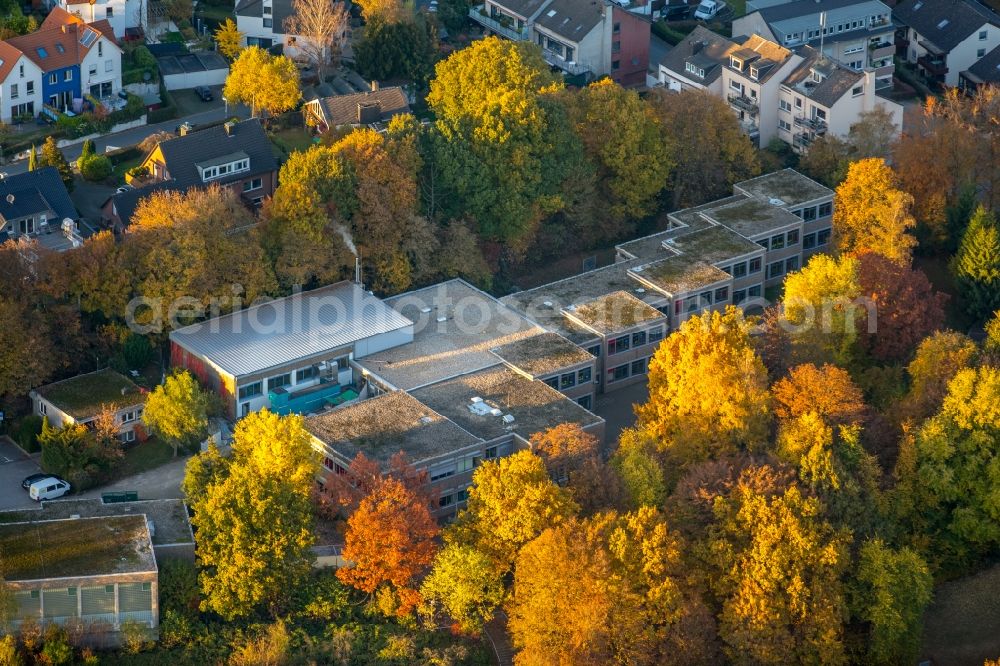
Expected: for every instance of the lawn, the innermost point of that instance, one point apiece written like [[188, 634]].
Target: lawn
[[962, 626], [123, 167], [739, 7], [143, 457], [292, 139]]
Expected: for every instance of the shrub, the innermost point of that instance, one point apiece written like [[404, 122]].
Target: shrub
[[8, 651], [134, 638], [138, 172], [142, 57], [27, 432], [136, 348], [179, 588], [57, 650], [95, 167]]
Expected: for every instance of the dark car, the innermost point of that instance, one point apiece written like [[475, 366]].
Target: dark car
[[677, 12], [28, 480], [205, 93]]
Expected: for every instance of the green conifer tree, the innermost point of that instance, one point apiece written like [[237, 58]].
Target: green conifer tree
[[977, 265], [52, 156]]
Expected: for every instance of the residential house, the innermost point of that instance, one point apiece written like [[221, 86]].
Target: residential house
[[121, 14], [373, 108], [585, 39], [751, 78], [74, 58], [20, 85], [855, 33], [986, 71], [944, 38], [696, 62], [35, 205], [236, 155], [81, 399], [824, 97], [794, 96]]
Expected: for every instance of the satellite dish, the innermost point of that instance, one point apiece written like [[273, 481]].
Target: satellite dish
[[10, 199]]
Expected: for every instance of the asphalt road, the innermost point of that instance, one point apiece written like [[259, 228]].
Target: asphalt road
[[14, 466]]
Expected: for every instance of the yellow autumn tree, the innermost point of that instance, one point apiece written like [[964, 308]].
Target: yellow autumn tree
[[820, 312], [229, 39], [707, 389], [871, 213], [263, 81], [255, 518], [511, 501]]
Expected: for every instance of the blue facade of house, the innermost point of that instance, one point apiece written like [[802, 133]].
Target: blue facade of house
[[60, 86]]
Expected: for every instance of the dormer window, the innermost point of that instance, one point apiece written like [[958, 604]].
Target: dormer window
[[691, 68], [223, 167], [817, 77], [754, 73], [736, 63]]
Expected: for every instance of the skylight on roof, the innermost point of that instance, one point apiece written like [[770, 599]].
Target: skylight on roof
[[918, 6], [942, 24], [551, 13], [59, 47], [42, 53]]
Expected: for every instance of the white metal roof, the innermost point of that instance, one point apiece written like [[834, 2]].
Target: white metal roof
[[280, 331]]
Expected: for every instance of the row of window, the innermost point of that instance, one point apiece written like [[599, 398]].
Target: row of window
[[637, 339], [779, 268], [208, 173], [780, 241], [740, 295], [702, 300], [278, 381], [568, 380], [744, 268], [109, 66], [29, 89], [810, 213], [622, 372], [453, 498], [859, 24], [816, 239]]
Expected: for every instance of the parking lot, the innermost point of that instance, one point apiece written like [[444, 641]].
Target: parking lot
[[14, 466]]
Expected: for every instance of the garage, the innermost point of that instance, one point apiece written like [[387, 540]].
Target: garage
[[189, 70]]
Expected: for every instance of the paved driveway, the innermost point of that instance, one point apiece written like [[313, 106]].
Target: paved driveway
[[14, 466]]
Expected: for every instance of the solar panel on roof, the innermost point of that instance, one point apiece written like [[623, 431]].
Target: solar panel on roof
[[88, 37]]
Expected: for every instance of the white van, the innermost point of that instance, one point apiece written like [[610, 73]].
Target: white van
[[48, 488], [708, 9]]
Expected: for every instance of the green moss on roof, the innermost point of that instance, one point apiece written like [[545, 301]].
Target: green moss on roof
[[615, 312], [542, 354], [752, 217], [76, 547], [788, 185], [83, 396], [681, 274]]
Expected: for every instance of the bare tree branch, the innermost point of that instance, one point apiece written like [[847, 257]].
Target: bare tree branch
[[319, 28]]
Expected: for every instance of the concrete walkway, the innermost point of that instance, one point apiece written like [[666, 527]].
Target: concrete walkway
[[496, 634]]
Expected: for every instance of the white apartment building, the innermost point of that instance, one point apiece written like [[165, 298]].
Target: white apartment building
[[794, 96], [855, 33]]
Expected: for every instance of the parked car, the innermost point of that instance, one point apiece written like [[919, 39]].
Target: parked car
[[28, 480], [709, 9], [51, 487], [123, 189], [205, 93], [676, 12]]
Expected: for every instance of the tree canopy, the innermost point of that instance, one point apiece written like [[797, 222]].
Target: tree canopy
[[872, 214]]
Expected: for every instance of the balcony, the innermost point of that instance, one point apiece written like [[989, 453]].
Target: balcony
[[881, 50], [505, 27], [802, 140], [744, 103], [933, 65], [571, 68], [817, 125]]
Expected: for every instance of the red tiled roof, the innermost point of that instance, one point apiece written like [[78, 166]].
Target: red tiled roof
[[59, 36], [8, 56]]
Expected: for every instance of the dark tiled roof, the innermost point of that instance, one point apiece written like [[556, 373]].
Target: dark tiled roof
[[702, 47], [926, 17], [523, 8], [343, 109], [35, 192], [572, 19], [987, 69], [126, 202], [183, 153], [799, 8], [837, 79], [280, 10]]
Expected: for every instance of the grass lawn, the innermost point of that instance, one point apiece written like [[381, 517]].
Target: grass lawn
[[292, 139], [739, 7], [122, 168], [144, 457], [214, 13], [962, 626]]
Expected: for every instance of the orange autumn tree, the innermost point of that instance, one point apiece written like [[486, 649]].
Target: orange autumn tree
[[826, 390], [872, 214], [390, 543], [573, 459]]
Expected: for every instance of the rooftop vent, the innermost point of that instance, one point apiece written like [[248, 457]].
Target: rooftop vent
[[10, 199], [425, 309], [774, 201], [495, 412], [442, 319], [640, 290], [547, 304], [508, 418], [476, 399], [426, 420]]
